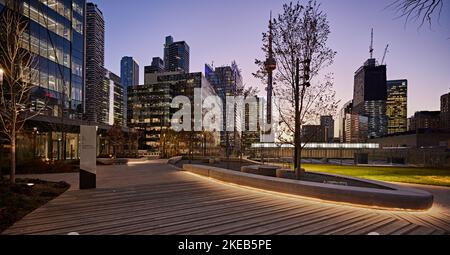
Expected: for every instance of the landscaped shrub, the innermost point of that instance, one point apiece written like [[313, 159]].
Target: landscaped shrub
[[38, 166]]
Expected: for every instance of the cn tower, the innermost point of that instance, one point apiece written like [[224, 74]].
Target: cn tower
[[270, 66]]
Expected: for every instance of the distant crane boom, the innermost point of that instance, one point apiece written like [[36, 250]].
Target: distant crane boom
[[384, 55]]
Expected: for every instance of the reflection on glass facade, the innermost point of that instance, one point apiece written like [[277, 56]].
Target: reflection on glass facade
[[56, 37], [149, 108], [227, 80], [370, 95], [397, 106], [176, 56], [356, 128]]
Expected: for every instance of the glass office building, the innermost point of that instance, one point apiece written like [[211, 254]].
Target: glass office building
[[227, 81], [397, 106], [55, 36], [176, 56], [150, 111], [370, 96]]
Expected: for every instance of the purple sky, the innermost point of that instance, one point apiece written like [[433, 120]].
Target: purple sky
[[222, 31]]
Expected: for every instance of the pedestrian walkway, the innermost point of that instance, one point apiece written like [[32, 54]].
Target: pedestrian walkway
[[157, 198]]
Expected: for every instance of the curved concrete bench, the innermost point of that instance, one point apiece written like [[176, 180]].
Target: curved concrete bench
[[392, 197], [260, 170], [175, 160]]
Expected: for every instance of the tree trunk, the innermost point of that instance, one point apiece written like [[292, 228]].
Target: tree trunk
[[298, 109], [12, 177]]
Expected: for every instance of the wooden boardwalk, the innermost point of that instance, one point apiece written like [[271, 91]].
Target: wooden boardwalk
[[155, 198]]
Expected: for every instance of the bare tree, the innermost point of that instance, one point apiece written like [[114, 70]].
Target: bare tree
[[300, 36], [116, 137], [16, 63], [418, 10]]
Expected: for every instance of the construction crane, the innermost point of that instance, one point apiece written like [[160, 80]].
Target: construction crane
[[385, 53], [371, 45]]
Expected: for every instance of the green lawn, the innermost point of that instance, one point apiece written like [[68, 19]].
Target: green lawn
[[428, 176]]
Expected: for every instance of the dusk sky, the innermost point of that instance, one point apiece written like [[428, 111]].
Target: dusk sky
[[223, 31]]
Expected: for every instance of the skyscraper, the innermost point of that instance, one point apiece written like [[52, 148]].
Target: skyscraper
[[129, 72], [226, 81], [96, 93], [59, 46], [156, 66], [176, 56], [370, 96], [150, 111], [397, 106], [115, 99], [445, 111]]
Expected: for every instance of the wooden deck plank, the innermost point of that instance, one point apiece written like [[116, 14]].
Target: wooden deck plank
[[255, 222], [84, 224], [198, 217], [280, 227], [362, 227], [103, 213]]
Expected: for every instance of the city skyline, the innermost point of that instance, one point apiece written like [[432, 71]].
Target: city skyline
[[425, 68]]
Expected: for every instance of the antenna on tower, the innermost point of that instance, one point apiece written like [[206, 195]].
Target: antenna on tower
[[371, 45]]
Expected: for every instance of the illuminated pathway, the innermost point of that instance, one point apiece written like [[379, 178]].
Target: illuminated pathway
[[155, 198]]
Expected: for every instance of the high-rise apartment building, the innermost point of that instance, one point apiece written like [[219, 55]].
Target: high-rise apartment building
[[370, 96], [176, 56], [115, 99], [96, 92], [397, 106]]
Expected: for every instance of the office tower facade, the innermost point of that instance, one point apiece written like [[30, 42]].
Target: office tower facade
[[150, 111], [115, 99], [327, 122], [56, 37], [370, 96], [249, 136], [425, 120], [96, 93], [356, 128], [226, 81], [346, 109], [129, 72], [397, 106], [176, 56], [313, 134], [157, 66], [445, 111]]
